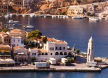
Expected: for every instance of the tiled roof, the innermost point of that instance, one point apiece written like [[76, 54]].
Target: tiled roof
[[18, 47], [4, 46], [52, 40], [43, 51], [56, 41]]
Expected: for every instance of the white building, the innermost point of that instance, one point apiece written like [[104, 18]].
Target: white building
[[54, 49], [33, 53], [17, 41], [17, 37]]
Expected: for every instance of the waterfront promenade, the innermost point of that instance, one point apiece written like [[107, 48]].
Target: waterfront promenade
[[76, 68]]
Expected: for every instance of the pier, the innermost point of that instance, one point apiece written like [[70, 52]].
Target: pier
[[78, 68]]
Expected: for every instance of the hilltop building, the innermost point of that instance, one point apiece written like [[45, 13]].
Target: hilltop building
[[22, 3], [75, 11]]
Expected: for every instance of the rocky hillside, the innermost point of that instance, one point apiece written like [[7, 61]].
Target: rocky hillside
[[49, 7]]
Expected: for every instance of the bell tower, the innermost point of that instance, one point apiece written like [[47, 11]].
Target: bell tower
[[90, 51]]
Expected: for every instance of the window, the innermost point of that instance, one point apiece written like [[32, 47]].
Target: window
[[46, 53], [18, 40], [51, 48], [60, 48], [69, 53], [61, 53], [56, 53], [65, 53], [33, 53], [51, 53], [63, 48], [42, 53], [56, 48]]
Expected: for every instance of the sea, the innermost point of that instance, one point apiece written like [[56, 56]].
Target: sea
[[76, 32]]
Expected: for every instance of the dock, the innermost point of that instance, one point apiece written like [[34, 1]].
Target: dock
[[51, 69]]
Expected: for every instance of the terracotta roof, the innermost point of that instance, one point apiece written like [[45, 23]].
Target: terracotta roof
[[4, 46], [43, 51], [56, 41], [18, 31], [3, 34], [18, 47], [52, 40]]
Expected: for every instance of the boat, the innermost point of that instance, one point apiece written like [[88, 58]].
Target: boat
[[93, 19], [13, 22], [29, 27], [78, 17]]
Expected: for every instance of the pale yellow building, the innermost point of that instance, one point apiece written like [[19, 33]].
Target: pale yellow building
[[75, 10]]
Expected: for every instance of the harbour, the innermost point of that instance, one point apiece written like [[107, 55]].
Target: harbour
[[37, 26]]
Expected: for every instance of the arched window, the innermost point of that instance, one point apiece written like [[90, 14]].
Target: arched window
[[69, 53], [56, 53], [65, 53], [42, 53], [60, 48], [61, 53], [51, 54], [46, 53]]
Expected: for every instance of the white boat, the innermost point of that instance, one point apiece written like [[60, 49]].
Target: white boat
[[29, 27], [93, 19], [78, 17], [13, 22]]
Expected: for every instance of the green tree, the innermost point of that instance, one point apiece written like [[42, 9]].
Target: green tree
[[77, 51], [70, 60], [45, 39], [4, 29], [34, 35], [38, 34]]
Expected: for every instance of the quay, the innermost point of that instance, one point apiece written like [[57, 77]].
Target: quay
[[32, 68]]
